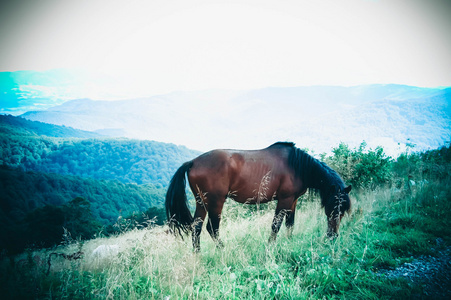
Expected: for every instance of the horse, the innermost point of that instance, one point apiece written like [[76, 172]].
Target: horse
[[280, 172]]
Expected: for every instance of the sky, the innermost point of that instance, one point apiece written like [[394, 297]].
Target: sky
[[161, 46]]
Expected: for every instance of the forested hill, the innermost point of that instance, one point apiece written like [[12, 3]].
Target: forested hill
[[19, 126], [50, 174], [108, 199], [129, 161], [33, 205]]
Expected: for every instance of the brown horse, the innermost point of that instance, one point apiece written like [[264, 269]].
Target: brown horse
[[280, 172]]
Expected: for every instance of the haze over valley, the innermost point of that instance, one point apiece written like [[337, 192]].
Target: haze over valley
[[316, 117]]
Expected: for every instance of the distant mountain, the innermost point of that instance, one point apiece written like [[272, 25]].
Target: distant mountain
[[23, 91], [19, 126], [318, 117]]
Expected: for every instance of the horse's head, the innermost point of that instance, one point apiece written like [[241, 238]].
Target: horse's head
[[336, 205]]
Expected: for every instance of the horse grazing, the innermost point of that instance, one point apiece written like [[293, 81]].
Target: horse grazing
[[280, 172]]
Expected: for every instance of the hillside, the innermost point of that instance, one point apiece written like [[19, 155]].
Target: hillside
[[317, 118], [44, 168], [129, 161], [22, 192], [38, 198], [12, 125], [393, 244]]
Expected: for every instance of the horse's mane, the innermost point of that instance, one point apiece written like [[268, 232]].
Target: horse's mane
[[315, 174], [283, 144]]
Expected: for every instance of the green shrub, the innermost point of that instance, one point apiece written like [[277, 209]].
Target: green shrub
[[361, 167]]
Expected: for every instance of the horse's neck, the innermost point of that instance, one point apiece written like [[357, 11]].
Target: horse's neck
[[318, 176], [313, 173]]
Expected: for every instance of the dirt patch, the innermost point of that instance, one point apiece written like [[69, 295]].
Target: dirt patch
[[431, 272]]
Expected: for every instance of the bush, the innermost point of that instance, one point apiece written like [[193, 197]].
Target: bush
[[429, 165], [44, 227], [361, 167]]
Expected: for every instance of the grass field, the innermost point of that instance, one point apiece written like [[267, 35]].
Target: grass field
[[386, 227]]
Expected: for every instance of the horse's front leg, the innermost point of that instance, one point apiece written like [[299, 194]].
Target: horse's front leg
[[276, 223], [289, 222], [283, 209]]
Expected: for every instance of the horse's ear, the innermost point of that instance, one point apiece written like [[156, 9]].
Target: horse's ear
[[348, 189]]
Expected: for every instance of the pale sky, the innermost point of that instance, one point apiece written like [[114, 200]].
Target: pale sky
[[162, 46]]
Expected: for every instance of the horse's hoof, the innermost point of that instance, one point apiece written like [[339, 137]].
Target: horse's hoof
[[332, 236], [220, 245]]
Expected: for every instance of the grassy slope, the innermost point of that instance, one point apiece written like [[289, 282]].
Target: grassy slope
[[386, 228]]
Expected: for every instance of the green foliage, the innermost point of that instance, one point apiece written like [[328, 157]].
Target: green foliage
[[45, 226], [26, 191], [79, 221], [387, 226], [433, 164], [361, 167], [138, 220], [36, 146], [43, 198], [129, 161]]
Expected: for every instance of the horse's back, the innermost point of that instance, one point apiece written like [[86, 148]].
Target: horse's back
[[213, 162], [210, 172], [239, 172]]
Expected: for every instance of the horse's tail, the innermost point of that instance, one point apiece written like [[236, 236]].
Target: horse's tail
[[177, 211]]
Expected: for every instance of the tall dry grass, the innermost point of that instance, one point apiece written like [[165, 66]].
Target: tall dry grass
[[151, 264]]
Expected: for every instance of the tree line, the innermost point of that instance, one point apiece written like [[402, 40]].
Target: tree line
[[367, 168]]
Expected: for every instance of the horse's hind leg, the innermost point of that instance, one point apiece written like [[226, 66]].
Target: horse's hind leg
[[199, 217], [214, 218]]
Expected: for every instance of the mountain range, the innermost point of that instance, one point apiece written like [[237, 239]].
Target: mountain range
[[316, 117]]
